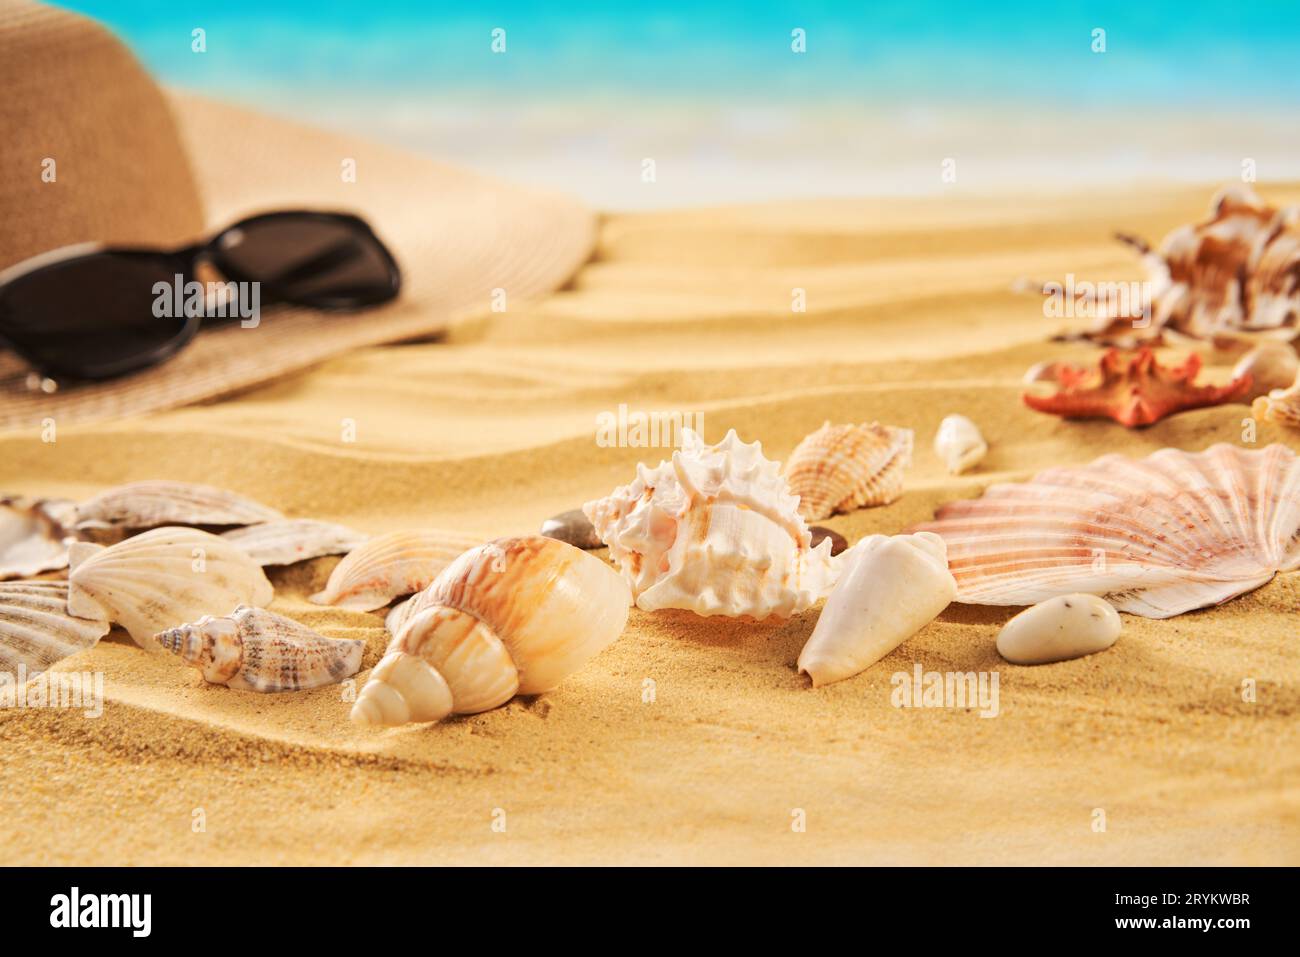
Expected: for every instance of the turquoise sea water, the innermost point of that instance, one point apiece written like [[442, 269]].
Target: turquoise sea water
[[583, 86]]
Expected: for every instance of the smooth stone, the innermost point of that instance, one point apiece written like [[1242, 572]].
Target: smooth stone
[[838, 541], [1068, 626], [573, 527]]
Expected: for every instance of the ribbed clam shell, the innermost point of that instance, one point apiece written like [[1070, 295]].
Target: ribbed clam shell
[[33, 538], [162, 578], [253, 649], [35, 628], [392, 565], [842, 467], [155, 503], [715, 531], [516, 615], [292, 540], [1156, 537]]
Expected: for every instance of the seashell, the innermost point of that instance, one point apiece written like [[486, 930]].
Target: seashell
[[1232, 273], [1043, 372], [1155, 537], [390, 566], [36, 630], [252, 649], [33, 537], [161, 578], [1134, 390], [141, 505], [959, 443], [573, 527], [1270, 365], [889, 589], [291, 540], [842, 467], [514, 616], [398, 614], [1281, 406], [1068, 626], [715, 531]]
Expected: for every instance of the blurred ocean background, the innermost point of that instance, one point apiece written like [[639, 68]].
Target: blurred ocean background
[[886, 93]]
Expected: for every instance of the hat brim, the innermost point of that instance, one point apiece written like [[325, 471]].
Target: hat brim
[[463, 241]]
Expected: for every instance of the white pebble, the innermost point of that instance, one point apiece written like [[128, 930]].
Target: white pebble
[[1068, 626]]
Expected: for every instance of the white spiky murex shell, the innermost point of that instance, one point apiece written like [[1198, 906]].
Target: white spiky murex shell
[[293, 540], [153, 504], [36, 630], [253, 649], [392, 565], [1156, 536], [33, 536], [161, 579], [840, 468], [514, 616], [714, 531]]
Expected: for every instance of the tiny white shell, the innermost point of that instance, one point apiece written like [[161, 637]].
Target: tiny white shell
[[959, 443], [1271, 365], [161, 579], [889, 589], [1064, 627]]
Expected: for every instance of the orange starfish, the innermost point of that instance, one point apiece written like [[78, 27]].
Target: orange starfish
[[1133, 389]]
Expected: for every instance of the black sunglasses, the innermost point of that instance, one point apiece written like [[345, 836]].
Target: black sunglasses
[[91, 312]]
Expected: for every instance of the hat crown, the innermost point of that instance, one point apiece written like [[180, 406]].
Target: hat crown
[[90, 151]]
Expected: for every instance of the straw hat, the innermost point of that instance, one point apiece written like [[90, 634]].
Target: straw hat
[[135, 164]]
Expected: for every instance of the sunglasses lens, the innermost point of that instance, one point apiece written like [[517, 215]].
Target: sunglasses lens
[[94, 316], [309, 259]]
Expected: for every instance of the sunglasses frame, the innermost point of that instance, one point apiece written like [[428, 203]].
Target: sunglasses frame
[[184, 261]]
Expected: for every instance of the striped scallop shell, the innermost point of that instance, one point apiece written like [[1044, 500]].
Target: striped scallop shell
[[392, 565], [842, 467], [156, 503], [35, 628], [1156, 537], [162, 579]]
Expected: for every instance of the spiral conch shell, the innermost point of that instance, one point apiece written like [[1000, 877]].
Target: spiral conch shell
[[513, 616], [842, 467], [160, 579], [252, 649], [715, 531]]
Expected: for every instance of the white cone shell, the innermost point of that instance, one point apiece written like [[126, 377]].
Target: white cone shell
[[715, 531], [162, 579], [890, 588]]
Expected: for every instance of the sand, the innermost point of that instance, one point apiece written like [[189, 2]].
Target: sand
[[910, 316]]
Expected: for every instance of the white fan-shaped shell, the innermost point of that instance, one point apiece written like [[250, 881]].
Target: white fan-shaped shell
[[392, 565], [294, 540], [156, 503], [35, 628], [33, 538], [715, 531], [512, 616], [1155, 537], [161, 579], [840, 468], [253, 649]]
